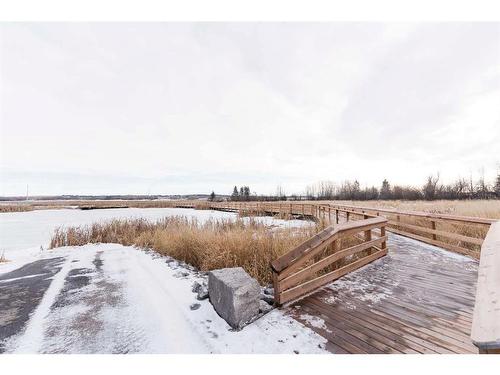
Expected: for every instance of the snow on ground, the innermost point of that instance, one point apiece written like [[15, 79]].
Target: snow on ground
[[110, 298]]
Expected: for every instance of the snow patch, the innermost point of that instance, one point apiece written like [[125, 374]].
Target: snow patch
[[314, 321]]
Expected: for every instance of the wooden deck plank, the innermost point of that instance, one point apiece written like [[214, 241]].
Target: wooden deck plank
[[379, 336], [394, 325], [397, 336], [417, 299]]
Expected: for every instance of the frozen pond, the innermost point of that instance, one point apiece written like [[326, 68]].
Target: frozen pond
[[32, 229]]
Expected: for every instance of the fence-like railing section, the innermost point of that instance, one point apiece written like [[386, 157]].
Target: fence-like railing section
[[322, 258], [460, 234]]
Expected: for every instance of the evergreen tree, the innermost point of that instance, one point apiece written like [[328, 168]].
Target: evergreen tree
[[212, 196], [235, 196], [385, 190], [246, 191]]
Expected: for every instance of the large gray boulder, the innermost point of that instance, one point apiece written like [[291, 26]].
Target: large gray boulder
[[234, 295]]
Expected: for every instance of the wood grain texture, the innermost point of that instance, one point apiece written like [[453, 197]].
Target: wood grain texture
[[486, 327], [417, 299]]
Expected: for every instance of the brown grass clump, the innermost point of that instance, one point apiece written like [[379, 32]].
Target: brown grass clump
[[2, 258], [15, 208], [211, 245]]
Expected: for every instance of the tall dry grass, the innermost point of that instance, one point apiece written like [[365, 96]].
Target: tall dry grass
[[207, 246]]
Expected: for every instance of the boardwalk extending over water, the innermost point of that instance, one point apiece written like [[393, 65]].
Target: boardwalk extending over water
[[417, 299]]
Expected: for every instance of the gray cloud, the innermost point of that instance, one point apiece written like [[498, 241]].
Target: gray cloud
[[193, 107]]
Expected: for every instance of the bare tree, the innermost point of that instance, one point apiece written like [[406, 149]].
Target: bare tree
[[280, 192], [430, 187]]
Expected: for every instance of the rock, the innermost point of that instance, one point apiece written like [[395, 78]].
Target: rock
[[181, 274], [195, 306], [267, 298], [264, 307], [202, 293], [269, 291], [234, 295], [196, 287], [201, 290]]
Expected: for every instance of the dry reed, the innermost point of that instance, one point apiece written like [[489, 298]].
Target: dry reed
[[210, 245]]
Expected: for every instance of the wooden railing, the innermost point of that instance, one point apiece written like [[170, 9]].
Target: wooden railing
[[298, 272], [485, 331], [460, 234]]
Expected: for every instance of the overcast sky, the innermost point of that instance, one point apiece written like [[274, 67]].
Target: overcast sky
[[191, 108]]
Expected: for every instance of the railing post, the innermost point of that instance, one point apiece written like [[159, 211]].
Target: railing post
[[277, 297], [433, 224], [347, 215], [337, 216], [368, 235], [382, 234]]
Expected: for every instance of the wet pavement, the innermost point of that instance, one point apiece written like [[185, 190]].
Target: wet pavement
[[21, 291]]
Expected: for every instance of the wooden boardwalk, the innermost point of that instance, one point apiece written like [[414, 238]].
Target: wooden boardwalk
[[417, 299], [367, 292]]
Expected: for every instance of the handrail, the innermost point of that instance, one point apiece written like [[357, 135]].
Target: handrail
[[296, 272], [485, 331]]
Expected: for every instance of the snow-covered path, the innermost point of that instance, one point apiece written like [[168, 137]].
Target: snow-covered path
[[110, 298]]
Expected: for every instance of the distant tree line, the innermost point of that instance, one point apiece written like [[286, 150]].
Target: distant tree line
[[460, 189], [432, 189]]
